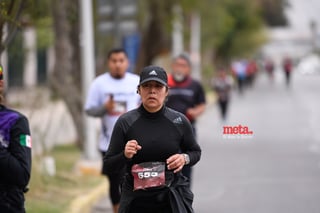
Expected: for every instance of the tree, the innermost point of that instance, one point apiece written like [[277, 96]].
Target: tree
[[155, 30], [10, 17], [237, 29], [229, 28], [273, 12], [65, 79]]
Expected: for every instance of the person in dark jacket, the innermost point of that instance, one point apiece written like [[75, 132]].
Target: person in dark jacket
[[186, 95], [287, 69], [15, 157], [154, 142], [222, 85]]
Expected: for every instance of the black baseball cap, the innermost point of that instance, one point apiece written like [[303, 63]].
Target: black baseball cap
[[153, 73]]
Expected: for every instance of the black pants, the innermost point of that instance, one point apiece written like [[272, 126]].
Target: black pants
[[152, 204], [158, 209], [114, 182], [287, 78], [10, 209], [187, 171], [11, 200], [240, 84], [223, 104]]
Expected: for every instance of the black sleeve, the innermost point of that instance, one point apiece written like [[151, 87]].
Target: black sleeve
[[15, 161], [115, 159], [96, 111], [201, 97], [189, 144]]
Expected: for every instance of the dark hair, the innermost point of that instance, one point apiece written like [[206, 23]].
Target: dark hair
[[183, 56], [1, 95], [116, 50]]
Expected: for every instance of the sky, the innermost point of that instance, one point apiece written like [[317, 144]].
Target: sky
[[294, 40], [302, 12]]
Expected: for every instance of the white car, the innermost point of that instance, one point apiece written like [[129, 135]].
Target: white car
[[309, 65]]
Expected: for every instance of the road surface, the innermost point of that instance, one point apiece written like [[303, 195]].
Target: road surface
[[275, 171]]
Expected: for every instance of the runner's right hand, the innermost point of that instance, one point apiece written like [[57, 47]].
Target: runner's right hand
[[131, 148], [110, 104]]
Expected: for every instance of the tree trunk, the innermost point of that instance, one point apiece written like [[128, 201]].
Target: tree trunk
[[154, 38], [10, 12], [74, 17], [65, 77]]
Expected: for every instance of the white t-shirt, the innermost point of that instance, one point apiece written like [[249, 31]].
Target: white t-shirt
[[125, 97]]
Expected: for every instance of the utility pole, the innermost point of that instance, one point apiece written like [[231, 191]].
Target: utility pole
[[4, 61], [314, 34], [116, 15], [195, 43], [87, 71], [30, 64], [177, 32]]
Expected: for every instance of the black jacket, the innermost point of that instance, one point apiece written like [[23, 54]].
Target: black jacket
[[180, 195], [160, 135], [15, 159]]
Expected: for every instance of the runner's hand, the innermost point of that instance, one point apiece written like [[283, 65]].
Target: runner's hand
[[131, 148], [176, 162], [110, 104]]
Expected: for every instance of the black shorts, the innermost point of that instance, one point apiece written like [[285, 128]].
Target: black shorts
[[159, 203]]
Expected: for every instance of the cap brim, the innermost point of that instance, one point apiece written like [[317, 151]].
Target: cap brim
[[153, 79]]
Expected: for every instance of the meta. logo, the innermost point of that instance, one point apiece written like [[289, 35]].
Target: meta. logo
[[238, 131]]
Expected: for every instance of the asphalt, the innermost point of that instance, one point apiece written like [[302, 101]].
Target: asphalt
[[276, 170]]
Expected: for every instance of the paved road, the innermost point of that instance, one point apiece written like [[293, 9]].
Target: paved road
[[275, 171]]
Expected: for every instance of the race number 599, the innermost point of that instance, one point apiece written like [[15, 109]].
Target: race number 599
[[143, 175]]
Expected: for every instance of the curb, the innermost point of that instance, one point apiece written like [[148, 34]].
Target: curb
[[84, 202]]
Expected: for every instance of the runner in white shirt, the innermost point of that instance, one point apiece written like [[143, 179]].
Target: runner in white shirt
[[112, 94]]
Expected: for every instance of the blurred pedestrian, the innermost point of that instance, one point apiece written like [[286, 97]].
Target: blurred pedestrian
[[222, 85], [287, 69], [239, 69], [251, 71], [112, 94], [155, 143], [186, 95], [269, 67], [15, 156]]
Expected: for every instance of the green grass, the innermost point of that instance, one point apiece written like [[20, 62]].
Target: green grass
[[54, 194]]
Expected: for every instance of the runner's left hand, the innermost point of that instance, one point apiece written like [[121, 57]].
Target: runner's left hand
[[176, 162]]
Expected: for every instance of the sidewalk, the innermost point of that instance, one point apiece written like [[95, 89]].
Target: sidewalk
[[102, 206], [84, 202]]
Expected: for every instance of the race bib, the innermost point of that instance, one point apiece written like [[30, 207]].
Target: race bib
[[120, 107], [148, 175]]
